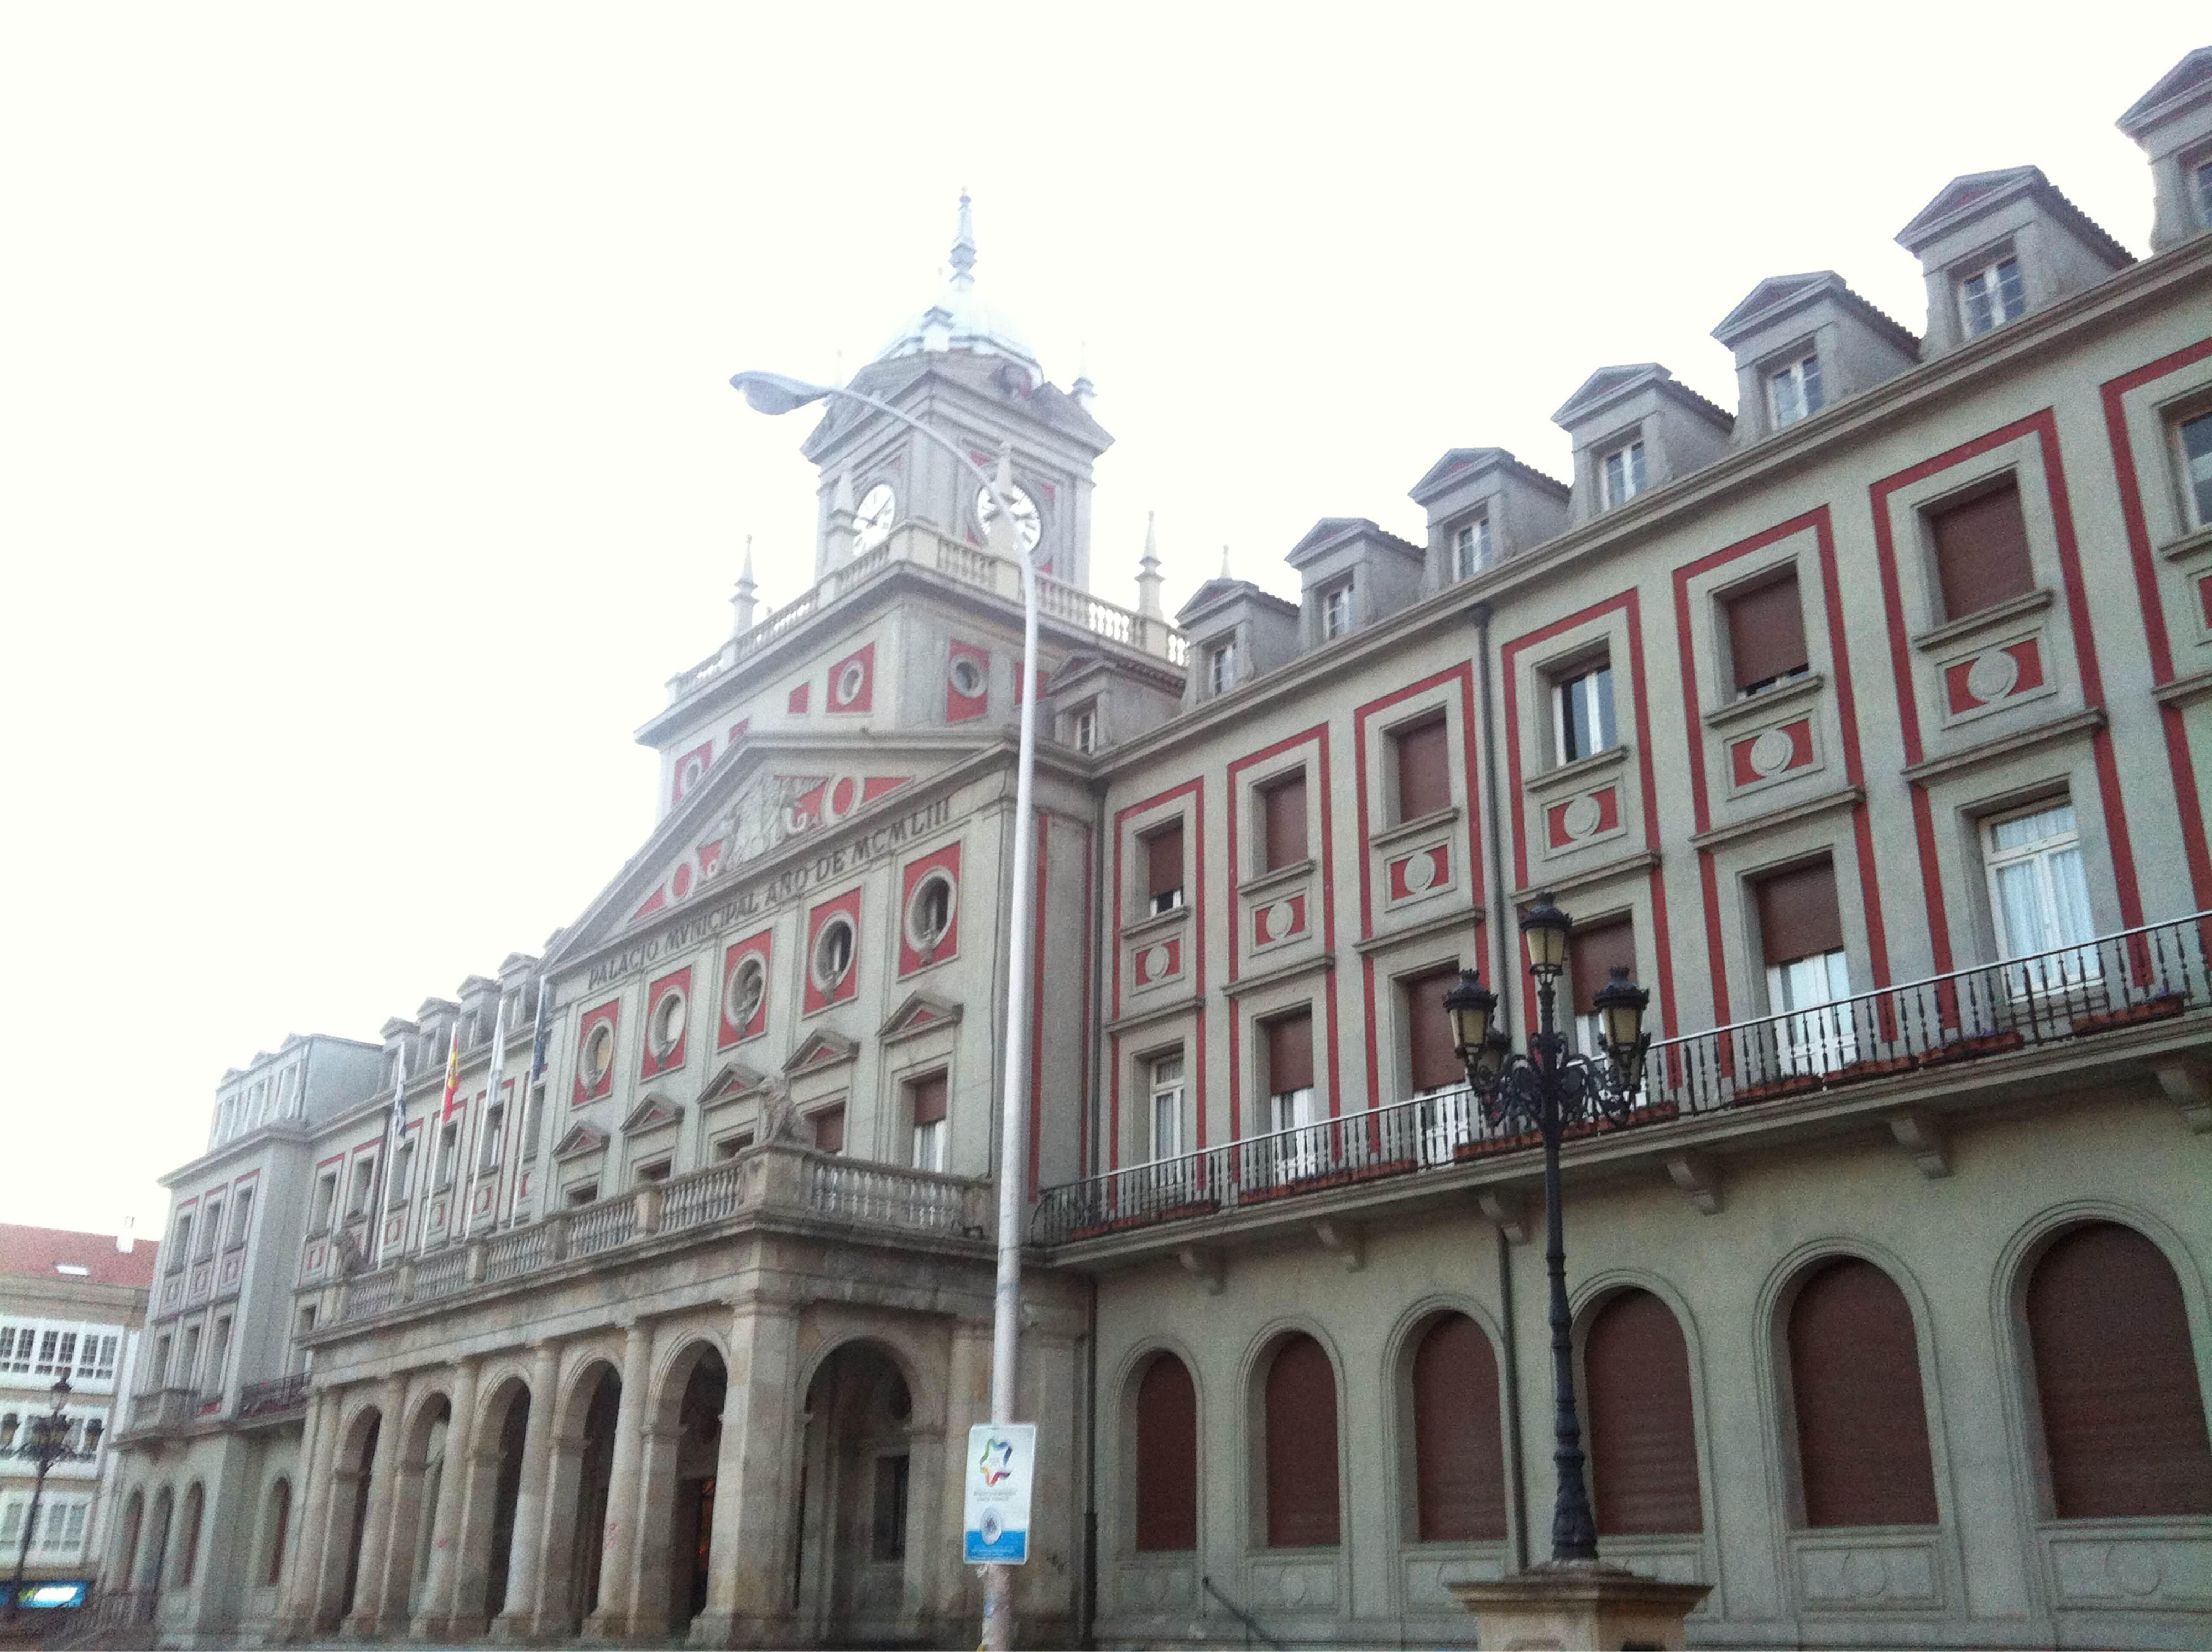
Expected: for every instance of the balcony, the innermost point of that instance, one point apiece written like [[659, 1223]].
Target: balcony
[[924, 547], [278, 1398], [776, 1183], [161, 1411], [1961, 1039]]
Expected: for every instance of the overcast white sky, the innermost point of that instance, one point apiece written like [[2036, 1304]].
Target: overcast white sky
[[366, 461]]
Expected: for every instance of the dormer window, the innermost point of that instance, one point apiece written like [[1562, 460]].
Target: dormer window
[[1471, 548], [1992, 294], [1624, 474], [1084, 728], [1221, 666], [1336, 612], [1793, 390]]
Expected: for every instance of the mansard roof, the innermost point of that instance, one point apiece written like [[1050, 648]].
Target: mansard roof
[[1609, 384], [2188, 82], [1976, 192], [1331, 531], [1777, 293], [1455, 467], [1217, 591]]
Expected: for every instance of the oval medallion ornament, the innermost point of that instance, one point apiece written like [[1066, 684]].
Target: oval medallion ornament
[[1770, 753], [1421, 872], [1279, 921], [1581, 817], [1865, 1574], [1992, 675], [1156, 964]]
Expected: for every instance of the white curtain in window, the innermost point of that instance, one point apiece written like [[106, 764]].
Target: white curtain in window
[[1817, 1038], [1299, 1153]]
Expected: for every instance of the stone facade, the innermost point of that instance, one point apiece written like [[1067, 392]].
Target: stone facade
[[645, 1289]]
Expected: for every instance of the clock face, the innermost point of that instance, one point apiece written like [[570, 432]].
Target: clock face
[[1027, 522], [874, 516]]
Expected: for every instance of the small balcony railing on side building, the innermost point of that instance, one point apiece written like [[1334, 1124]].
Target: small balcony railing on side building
[[278, 1396], [925, 547], [2129, 979]]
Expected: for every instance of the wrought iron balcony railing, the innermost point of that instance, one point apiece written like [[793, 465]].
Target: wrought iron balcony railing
[[277, 1397], [2131, 979]]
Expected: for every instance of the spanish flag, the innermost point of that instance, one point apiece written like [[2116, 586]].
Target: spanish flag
[[452, 1075]]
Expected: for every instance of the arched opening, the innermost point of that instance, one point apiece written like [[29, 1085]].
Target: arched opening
[[1457, 1436], [854, 1497], [277, 1526], [127, 1534], [1166, 1458], [2123, 1413], [1298, 1446], [599, 1398], [1642, 1426], [1862, 1454], [698, 1451], [361, 1464], [422, 1481], [157, 1548], [507, 1420], [188, 1544]]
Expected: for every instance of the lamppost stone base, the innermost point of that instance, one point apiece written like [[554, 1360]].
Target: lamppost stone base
[[1569, 1607]]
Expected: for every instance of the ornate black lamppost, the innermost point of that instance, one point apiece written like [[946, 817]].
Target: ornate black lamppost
[[45, 1444], [1551, 1091]]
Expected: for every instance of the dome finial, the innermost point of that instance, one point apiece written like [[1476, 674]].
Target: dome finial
[[1148, 570], [1225, 574], [963, 247]]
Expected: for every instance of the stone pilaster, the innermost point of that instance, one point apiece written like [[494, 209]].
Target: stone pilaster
[[653, 1576], [618, 1550], [434, 1612], [375, 1539], [749, 1559], [310, 1489], [525, 1565]]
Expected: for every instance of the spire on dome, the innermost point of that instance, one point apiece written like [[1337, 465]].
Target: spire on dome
[[1148, 571], [963, 247], [741, 601], [1225, 574]]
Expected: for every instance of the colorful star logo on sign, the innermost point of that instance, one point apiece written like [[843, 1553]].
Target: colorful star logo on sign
[[1003, 1451]]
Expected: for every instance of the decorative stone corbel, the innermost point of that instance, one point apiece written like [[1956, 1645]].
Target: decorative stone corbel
[[1203, 1264], [1344, 1240], [1700, 1177], [1919, 1133], [1508, 1208], [2186, 1085]]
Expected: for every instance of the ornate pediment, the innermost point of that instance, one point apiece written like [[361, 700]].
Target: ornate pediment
[[921, 1012], [821, 1049], [581, 1139], [734, 1079], [651, 1113]]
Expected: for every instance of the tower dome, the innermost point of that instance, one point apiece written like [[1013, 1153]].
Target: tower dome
[[956, 319]]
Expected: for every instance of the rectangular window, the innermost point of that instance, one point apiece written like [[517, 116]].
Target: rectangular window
[[1167, 1093], [210, 1228], [160, 1374], [1422, 760], [1164, 868], [1581, 715], [1433, 1062], [1471, 548], [887, 1540], [1336, 612], [1283, 820], [2039, 893], [181, 1246], [928, 1097], [1623, 469], [2204, 192], [188, 1367], [494, 1137], [241, 1216], [1981, 552], [1221, 666], [402, 1173], [364, 1181], [2196, 436], [583, 1192], [326, 1198], [1991, 295], [1793, 390], [1809, 978], [829, 1126], [449, 1141], [95, 1359], [530, 1111], [728, 1147], [1594, 951], [1085, 729], [659, 1170], [1290, 1103], [15, 1349], [1766, 634], [218, 1355]]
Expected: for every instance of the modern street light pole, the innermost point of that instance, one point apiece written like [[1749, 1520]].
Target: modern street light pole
[[1553, 1091], [47, 1444], [774, 393]]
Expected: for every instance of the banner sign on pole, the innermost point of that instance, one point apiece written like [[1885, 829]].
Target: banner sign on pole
[[1001, 1458]]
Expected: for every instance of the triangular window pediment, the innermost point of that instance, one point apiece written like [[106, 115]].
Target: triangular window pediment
[[581, 1139], [921, 1012], [734, 1079], [652, 1114], [823, 1049]]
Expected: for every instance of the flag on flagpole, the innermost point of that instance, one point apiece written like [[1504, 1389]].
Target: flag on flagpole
[[541, 1030], [452, 1076], [395, 1131], [484, 1114]]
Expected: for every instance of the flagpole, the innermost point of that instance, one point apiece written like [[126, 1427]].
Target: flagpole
[[396, 1113], [490, 1099], [444, 1118], [539, 1029]]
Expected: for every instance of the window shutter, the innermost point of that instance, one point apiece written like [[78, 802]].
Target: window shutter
[[1290, 1053], [1766, 632], [1591, 954], [1643, 1431], [1981, 553], [1435, 1064], [1282, 806], [1862, 1423], [1167, 1458], [929, 1099], [1459, 1461], [1301, 1421], [2123, 1416], [1798, 917], [829, 1130], [1423, 769], [1163, 854]]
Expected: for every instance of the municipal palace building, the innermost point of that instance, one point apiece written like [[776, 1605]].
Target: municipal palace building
[[1866, 720]]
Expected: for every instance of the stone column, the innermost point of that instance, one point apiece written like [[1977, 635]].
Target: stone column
[[472, 1584], [526, 1559], [331, 1524], [395, 1583], [653, 1578], [434, 1612], [374, 1538], [309, 1481], [557, 1537], [618, 1542], [750, 1559]]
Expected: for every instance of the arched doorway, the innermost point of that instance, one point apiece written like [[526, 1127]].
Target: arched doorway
[[854, 1496], [157, 1548], [590, 1437], [126, 1548], [506, 1419], [698, 1423], [360, 1463], [422, 1481]]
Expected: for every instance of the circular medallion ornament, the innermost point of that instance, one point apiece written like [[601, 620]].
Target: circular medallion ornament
[[1156, 964], [1294, 1588], [851, 680], [1865, 1574], [748, 987], [2137, 1570], [1279, 921], [1992, 675], [1421, 870], [967, 678], [680, 885], [843, 796], [1770, 753], [1581, 817]]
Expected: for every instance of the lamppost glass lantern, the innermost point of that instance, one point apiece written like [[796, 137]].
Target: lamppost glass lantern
[[1621, 1004], [1544, 936], [1472, 1008]]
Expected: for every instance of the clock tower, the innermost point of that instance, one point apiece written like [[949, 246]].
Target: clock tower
[[960, 367]]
